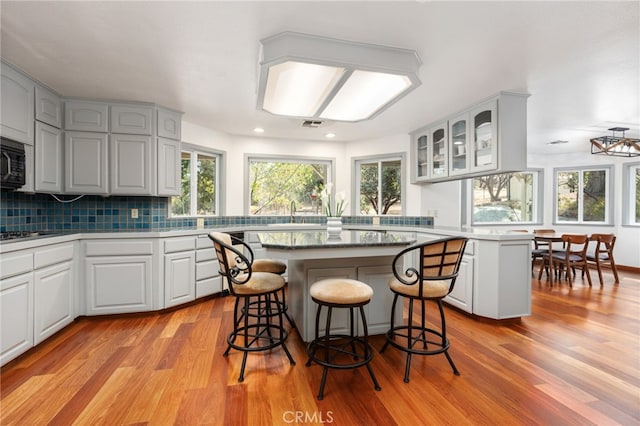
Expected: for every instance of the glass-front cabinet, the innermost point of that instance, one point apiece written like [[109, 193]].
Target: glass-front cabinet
[[486, 138], [484, 141], [459, 145]]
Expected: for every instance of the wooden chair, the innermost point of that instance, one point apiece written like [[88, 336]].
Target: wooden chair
[[603, 254], [573, 256], [432, 279], [539, 247]]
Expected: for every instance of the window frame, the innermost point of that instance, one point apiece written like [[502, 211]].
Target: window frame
[[537, 200], [629, 193], [609, 196], [219, 155], [380, 158], [330, 162]]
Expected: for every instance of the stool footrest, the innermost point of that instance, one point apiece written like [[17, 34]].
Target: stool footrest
[[342, 352], [398, 339], [262, 337]]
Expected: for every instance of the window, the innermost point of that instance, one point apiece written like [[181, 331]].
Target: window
[[583, 196], [506, 198], [200, 176], [379, 187], [282, 186], [632, 200]]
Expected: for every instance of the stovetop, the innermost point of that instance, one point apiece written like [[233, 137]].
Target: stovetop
[[21, 235]]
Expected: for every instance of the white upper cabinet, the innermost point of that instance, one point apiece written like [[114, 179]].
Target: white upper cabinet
[[131, 119], [168, 167], [49, 150], [130, 165], [169, 124], [85, 116], [16, 104], [86, 156], [48, 107], [486, 138]]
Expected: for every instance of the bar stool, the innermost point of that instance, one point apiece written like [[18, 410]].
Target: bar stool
[[275, 266], [432, 279], [341, 351], [253, 330]]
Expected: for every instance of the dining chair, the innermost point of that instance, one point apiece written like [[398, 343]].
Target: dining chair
[[573, 256], [433, 278], [255, 327], [539, 247], [603, 254]]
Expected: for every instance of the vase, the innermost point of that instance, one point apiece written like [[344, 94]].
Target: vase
[[334, 226]]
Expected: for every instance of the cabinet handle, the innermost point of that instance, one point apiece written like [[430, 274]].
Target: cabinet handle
[[6, 176]]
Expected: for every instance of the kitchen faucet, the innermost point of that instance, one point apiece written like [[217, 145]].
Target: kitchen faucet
[[293, 211]]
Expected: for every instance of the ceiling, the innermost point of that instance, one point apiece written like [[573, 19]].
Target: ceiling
[[579, 61]]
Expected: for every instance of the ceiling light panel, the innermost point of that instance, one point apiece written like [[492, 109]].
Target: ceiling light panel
[[309, 76]]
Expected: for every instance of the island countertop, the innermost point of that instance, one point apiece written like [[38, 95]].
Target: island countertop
[[316, 239]]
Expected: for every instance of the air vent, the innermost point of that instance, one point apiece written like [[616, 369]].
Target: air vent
[[313, 124]]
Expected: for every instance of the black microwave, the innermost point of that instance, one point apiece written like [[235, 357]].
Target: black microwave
[[13, 170]]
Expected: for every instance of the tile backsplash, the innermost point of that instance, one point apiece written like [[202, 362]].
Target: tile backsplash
[[93, 213]]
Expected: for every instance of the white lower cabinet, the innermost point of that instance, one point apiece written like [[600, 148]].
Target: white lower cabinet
[[118, 276], [462, 294], [16, 313], [179, 270], [208, 280], [53, 287]]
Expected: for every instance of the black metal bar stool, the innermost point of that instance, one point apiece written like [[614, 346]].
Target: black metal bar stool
[[275, 266], [341, 351], [260, 328], [433, 279]]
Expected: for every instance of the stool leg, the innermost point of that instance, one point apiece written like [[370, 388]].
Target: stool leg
[[281, 328], [311, 348], [327, 340], [233, 335], [246, 339], [352, 333], [422, 323], [445, 342], [367, 348], [286, 314], [409, 341], [391, 332]]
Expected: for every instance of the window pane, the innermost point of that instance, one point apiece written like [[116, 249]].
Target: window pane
[[369, 188], [503, 198], [276, 186], [567, 197], [180, 205], [206, 185], [594, 195], [391, 195]]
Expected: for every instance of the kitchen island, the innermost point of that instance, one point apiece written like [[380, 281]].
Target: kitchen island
[[364, 255]]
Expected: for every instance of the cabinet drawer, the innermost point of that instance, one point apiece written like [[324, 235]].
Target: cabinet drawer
[[117, 247], [16, 263], [203, 241], [179, 244], [52, 255], [86, 116], [203, 255], [131, 119], [206, 270], [208, 286]]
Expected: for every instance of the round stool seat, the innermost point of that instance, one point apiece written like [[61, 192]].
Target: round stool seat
[[341, 291], [269, 265]]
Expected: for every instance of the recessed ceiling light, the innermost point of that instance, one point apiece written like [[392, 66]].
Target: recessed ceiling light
[[330, 135], [558, 142], [258, 130]]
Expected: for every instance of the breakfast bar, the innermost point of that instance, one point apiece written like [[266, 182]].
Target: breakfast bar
[[364, 255]]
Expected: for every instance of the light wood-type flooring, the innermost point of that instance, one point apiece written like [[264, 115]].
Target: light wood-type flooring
[[575, 360]]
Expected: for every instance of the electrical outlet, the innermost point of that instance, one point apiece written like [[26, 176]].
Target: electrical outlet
[[376, 220], [200, 223], [134, 213]]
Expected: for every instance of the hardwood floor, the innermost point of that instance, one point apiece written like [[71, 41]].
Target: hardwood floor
[[574, 361]]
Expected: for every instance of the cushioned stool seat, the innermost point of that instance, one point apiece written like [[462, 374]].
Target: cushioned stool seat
[[341, 351]]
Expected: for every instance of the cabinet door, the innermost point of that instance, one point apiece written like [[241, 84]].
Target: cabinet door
[[169, 159], [459, 145], [131, 119], [169, 124], [179, 278], [484, 137], [378, 311], [53, 295], [49, 159], [439, 164], [16, 104], [86, 163], [29, 166], [16, 315], [48, 107], [462, 294], [421, 156], [86, 116], [118, 284], [130, 170]]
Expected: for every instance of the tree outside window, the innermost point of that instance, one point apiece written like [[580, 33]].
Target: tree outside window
[[582, 196], [507, 197], [380, 187], [199, 177], [277, 187]]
